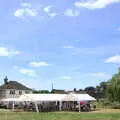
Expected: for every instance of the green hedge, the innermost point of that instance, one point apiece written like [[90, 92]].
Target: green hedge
[[108, 104]]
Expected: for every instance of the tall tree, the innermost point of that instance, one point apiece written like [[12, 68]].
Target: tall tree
[[91, 91], [113, 88]]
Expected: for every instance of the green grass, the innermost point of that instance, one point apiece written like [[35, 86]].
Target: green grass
[[58, 116]]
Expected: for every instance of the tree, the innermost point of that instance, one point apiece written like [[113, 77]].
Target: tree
[[101, 90], [90, 88], [91, 91], [113, 88], [75, 90], [40, 91]]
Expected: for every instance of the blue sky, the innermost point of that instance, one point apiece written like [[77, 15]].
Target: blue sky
[[74, 43]]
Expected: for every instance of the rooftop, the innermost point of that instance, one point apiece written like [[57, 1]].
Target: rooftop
[[13, 85]]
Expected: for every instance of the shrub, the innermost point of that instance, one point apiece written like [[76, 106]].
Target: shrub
[[115, 105]]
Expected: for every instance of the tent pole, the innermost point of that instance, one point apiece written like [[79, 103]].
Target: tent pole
[[13, 106], [79, 107], [60, 104], [36, 106], [8, 105]]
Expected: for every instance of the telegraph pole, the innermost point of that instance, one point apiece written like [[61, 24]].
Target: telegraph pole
[[52, 86]]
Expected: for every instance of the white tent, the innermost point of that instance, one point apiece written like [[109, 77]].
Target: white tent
[[84, 97], [41, 97], [50, 97], [25, 98], [13, 100], [55, 97], [69, 97], [78, 97], [9, 100]]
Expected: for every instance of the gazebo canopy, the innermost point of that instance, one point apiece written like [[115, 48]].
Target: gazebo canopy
[[84, 97], [78, 97], [52, 97], [41, 97], [9, 99]]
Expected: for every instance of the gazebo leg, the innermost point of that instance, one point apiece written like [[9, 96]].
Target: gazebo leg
[[60, 105], [36, 107], [79, 107], [13, 106]]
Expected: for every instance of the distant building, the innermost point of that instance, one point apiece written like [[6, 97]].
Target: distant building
[[13, 89], [67, 92], [56, 91]]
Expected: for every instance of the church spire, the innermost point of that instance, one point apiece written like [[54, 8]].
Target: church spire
[[6, 80]]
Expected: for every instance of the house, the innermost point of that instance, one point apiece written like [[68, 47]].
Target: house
[[13, 89]]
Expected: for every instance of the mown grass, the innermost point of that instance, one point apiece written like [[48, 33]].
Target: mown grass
[[58, 116]]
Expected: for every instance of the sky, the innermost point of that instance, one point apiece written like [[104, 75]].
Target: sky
[[70, 43]]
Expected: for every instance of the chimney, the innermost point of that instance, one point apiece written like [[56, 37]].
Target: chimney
[[6, 80]]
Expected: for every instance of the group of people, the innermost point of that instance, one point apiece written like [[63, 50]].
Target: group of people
[[42, 107], [51, 106], [74, 106]]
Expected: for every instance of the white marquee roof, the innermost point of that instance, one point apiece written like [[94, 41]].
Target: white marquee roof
[[78, 97], [84, 97], [52, 97], [9, 99], [41, 97]]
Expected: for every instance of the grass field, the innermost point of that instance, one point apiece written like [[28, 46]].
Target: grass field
[[100, 115]]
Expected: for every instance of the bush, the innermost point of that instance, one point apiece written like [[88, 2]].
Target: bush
[[105, 103], [108, 104], [115, 105]]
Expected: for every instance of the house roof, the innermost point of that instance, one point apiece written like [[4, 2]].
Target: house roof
[[14, 85]]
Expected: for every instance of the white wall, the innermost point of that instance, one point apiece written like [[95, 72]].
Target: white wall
[[8, 95], [2, 94]]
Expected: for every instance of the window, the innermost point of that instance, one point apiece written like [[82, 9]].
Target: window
[[12, 92], [20, 92]]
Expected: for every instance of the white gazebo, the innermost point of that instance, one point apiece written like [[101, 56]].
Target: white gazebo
[[50, 97]]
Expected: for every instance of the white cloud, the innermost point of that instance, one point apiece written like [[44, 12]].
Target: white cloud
[[65, 77], [47, 9], [38, 64], [8, 52], [26, 5], [71, 13], [68, 47], [15, 67], [99, 74], [28, 72], [25, 12], [95, 4], [119, 28], [52, 15], [114, 59]]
